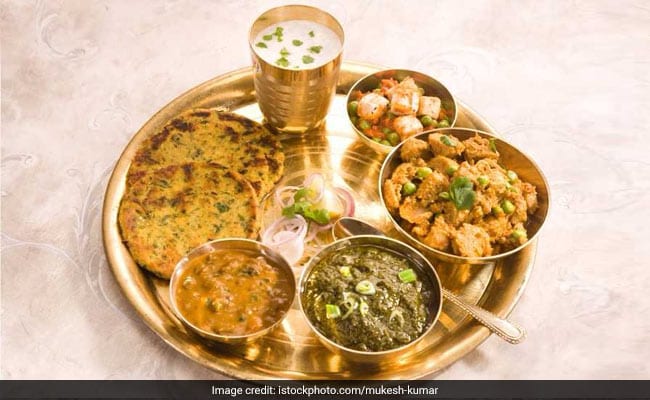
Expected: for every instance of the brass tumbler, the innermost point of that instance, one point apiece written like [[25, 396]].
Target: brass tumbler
[[294, 101]]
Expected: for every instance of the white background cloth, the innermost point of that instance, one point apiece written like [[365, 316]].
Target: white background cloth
[[566, 81]]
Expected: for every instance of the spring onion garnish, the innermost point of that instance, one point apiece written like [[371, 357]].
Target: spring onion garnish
[[407, 276], [512, 176], [296, 42], [315, 49], [363, 308], [365, 287], [396, 315], [345, 271], [332, 311], [267, 37], [261, 44], [307, 59], [284, 52], [446, 141], [444, 195]]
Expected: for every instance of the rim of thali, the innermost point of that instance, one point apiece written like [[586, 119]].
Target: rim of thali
[[139, 290]]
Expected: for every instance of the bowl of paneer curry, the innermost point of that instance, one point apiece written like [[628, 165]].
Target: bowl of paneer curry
[[462, 195], [389, 106]]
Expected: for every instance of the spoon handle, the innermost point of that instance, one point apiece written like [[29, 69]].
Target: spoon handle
[[506, 330]]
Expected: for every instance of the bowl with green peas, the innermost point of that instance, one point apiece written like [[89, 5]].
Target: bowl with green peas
[[389, 106], [463, 196]]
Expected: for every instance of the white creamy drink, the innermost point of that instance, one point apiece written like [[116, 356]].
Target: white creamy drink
[[297, 44]]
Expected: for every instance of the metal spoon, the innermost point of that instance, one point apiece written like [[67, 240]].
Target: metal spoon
[[506, 330]]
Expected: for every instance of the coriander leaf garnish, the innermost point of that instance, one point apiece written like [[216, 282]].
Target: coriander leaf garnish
[[311, 34], [461, 193], [261, 44], [316, 49], [283, 62], [278, 33], [306, 209], [307, 59], [296, 42]]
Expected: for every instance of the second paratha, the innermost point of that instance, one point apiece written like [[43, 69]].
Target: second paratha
[[167, 212]]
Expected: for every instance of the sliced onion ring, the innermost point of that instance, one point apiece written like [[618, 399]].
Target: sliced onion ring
[[287, 237], [319, 190], [282, 200], [348, 201]]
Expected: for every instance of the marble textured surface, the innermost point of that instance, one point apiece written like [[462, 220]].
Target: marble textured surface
[[567, 81]]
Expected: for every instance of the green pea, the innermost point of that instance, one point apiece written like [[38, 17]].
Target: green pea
[[497, 210], [451, 169], [423, 172], [352, 107], [518, 234], [483, 180], [409, 188], [512, 176], [385, 142], [354, 119], [386, 130], [427, 120], [507, 206], [443, 124], [393, 138], [376, 139], [363, 125]]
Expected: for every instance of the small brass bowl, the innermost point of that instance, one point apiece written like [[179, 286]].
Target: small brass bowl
[[420, 263], [511, 157], [250, 247], [431, 87]]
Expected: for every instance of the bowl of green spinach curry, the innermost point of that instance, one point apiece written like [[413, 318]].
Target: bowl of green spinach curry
[[370, 298]]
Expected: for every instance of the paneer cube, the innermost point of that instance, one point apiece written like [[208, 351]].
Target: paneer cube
[[429, 105]]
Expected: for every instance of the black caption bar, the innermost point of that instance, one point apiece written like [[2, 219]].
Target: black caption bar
[[314, 390]]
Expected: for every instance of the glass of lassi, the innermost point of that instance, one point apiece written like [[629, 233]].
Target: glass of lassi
[[296, 53]]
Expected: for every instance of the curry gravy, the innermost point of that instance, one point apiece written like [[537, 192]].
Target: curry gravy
[[232, 293]]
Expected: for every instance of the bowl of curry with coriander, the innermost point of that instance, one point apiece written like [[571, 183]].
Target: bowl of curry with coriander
[[232, 290]]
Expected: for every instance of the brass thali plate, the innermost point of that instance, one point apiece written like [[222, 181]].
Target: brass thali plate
[[292, 351]]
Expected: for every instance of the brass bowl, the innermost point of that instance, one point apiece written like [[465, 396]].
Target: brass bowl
[[431, 87], [425, 271], [250, 247], [510, 157]]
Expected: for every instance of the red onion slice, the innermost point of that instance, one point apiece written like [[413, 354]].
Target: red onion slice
[[316, 182], [287, 237], [348, 201]]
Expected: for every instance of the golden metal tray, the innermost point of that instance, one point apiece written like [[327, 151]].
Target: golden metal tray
[[292, 351]]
